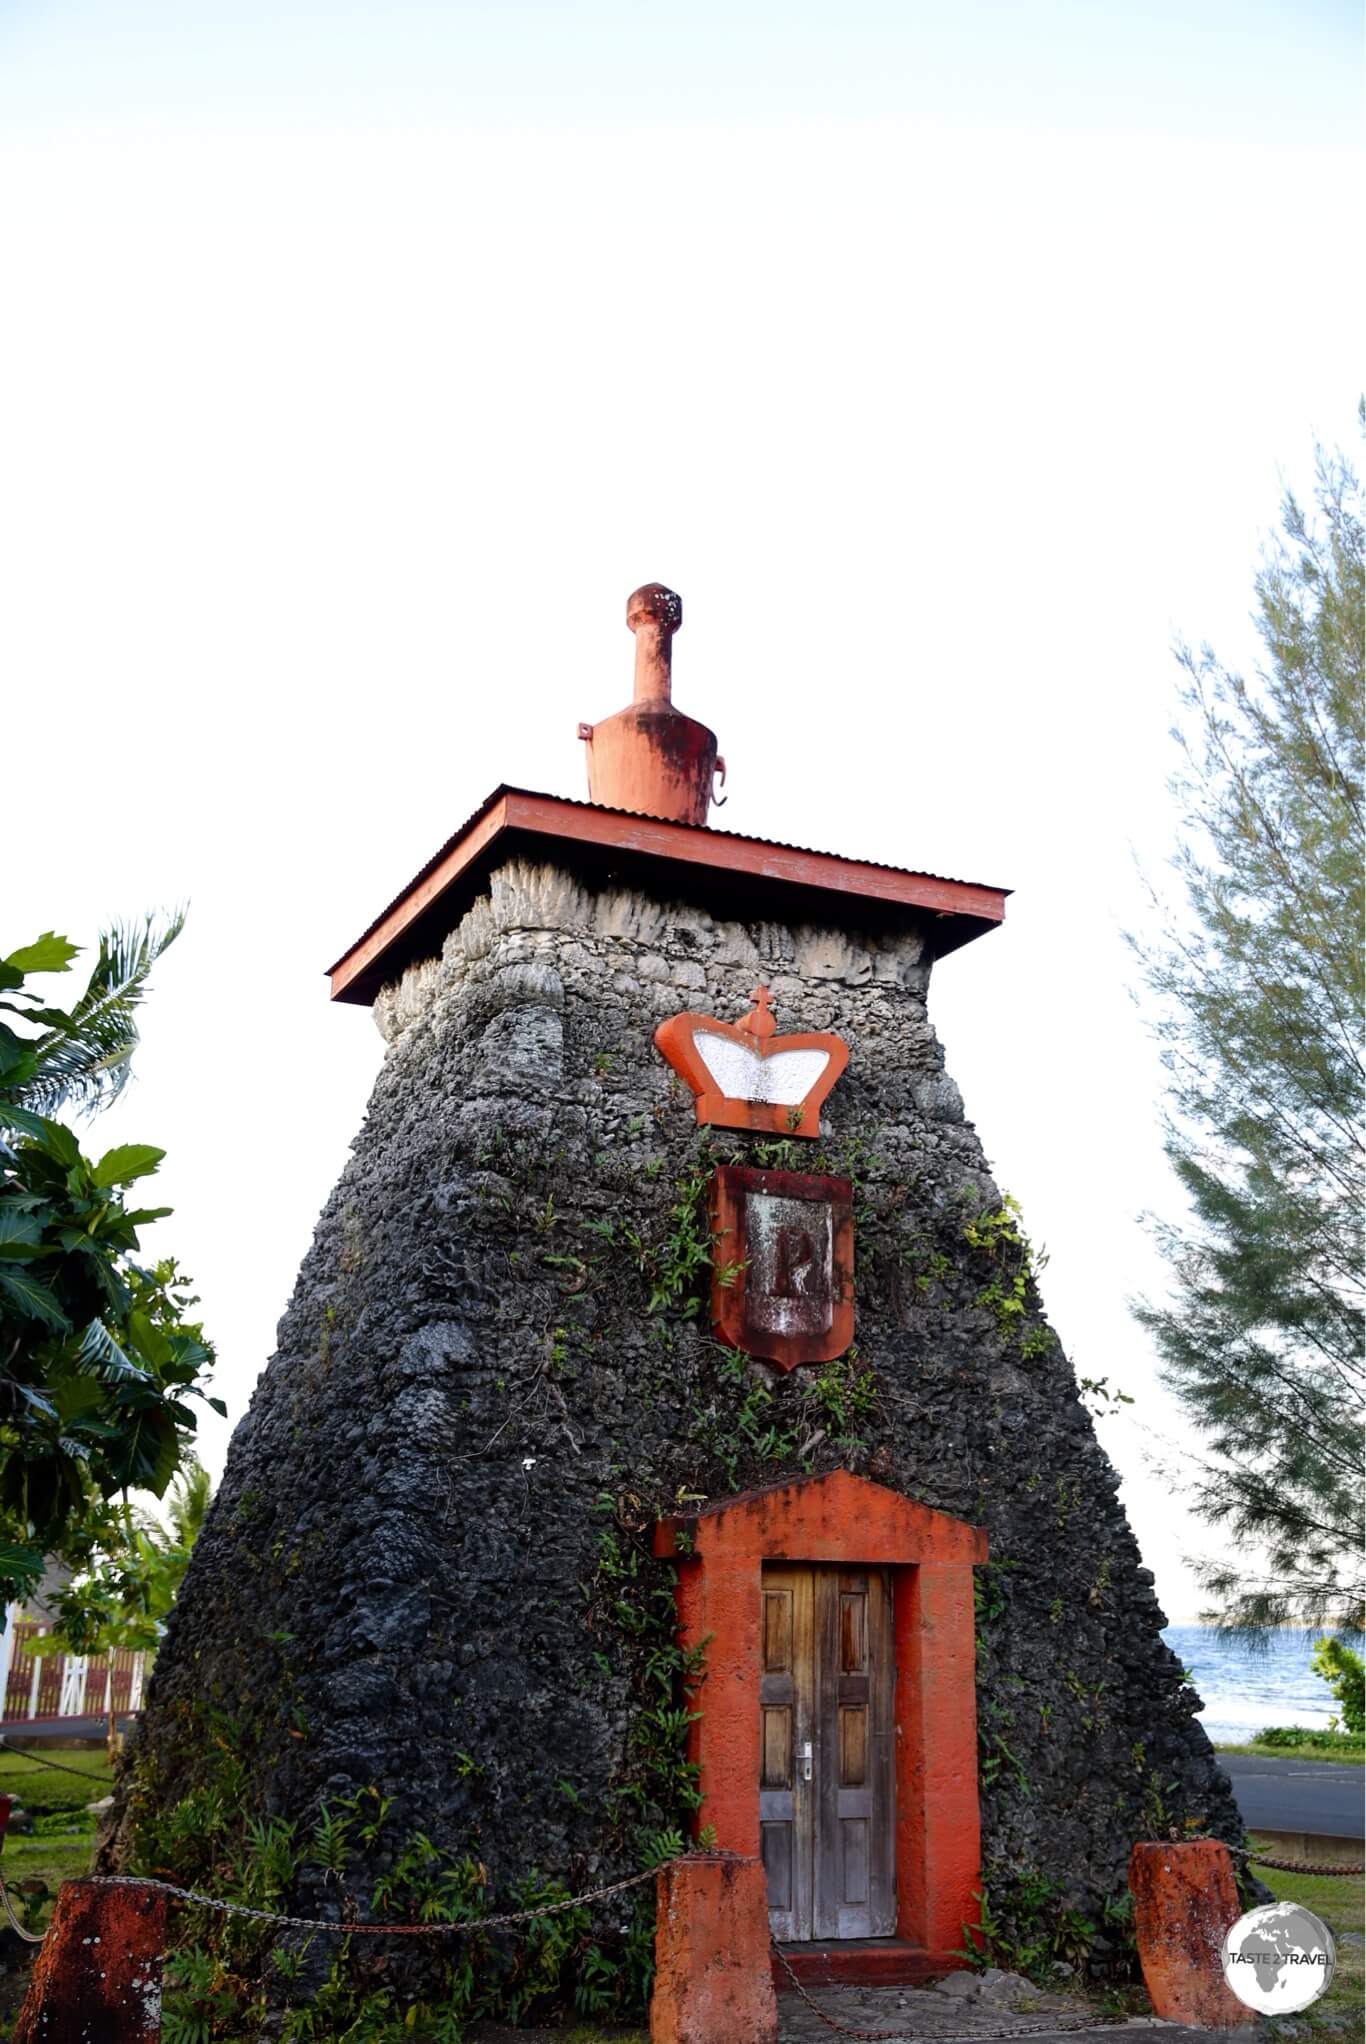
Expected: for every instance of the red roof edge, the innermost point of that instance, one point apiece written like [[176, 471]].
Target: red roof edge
[[417, 921]]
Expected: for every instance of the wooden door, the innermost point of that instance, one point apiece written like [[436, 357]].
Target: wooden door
[[787, 1803], [827, 1775]]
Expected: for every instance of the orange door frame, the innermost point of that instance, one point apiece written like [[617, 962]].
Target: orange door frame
[[720, 1551]]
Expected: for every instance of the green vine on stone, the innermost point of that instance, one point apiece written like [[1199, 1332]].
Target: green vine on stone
[[845, 1391], [225, 1974], [1011, 1290], [1026, 1925], [654, 1797]]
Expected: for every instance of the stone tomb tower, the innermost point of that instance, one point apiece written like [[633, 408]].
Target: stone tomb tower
[[665, 1439]]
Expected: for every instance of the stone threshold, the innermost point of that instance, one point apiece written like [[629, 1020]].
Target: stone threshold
[[864, 1962]]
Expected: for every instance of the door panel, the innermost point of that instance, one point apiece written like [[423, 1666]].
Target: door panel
[[777, 1772], [853, 1745], [827, 1767], [775, 1846], [854, 1861], [786, 1809]]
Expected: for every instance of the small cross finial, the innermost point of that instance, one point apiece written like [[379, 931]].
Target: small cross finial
[[759, 1021]]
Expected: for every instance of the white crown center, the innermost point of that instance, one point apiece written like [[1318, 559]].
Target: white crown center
[[782, 1079]]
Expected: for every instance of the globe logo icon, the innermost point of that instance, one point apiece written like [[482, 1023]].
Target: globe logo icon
[[1278, 1959]]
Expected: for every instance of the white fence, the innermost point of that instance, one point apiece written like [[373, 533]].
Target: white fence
[[53, 1686]]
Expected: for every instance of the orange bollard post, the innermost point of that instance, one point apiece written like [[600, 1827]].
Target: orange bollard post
[[97, 1979], [1185, 1901], [713, 1976]]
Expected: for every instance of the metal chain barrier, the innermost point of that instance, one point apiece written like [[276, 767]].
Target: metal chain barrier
[[1290, 1866], [381, 1930], [347, 1929], [1305, 1866], [1283, 1867], [511, 1919]]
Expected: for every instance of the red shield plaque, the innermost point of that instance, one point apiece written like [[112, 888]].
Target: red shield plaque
[[782, 1264]]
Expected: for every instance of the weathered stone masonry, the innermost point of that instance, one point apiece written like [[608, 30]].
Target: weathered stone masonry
[[396, 1584]]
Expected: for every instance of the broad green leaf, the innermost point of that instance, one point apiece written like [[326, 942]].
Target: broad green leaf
[[190, 1355], [18, 1226], [140, 1393], [22, 1118], [17, 1061], [20, 1569], [24, 1295], [50, 953], [92, 1429], [144, 1216], [128, 1161], [150, 1343], [56, 1140], [75, 1396], [167, 1461], [148, 1453], [102, 1272]]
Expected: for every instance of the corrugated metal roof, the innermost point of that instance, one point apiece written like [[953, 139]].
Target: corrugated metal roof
[[699, 830]]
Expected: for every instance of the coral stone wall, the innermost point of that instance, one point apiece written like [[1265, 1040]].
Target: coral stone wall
[[422, 1573]]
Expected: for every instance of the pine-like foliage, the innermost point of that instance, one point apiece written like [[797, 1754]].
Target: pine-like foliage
[[1260, 1004]]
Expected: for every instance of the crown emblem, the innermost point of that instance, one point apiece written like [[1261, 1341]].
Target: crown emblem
[[745, 1075]]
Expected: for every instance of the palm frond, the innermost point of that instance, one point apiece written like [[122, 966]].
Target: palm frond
[[110, 1360], [189, 1500], [83, 1060]]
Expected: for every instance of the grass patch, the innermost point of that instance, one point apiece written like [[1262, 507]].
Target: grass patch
[[60, 1846], [35, 1864], [1341, 1901], [43, 1789], [58, 1849], [1344, 1753]]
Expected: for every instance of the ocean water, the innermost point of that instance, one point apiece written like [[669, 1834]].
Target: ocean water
[[1247, 1688]]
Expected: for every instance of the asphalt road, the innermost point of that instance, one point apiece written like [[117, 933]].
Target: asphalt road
[[1296, 1795]]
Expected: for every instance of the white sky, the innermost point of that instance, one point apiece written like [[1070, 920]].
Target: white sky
[[355, 363]]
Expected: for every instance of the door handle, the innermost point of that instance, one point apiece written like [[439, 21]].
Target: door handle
[[806, 1761]]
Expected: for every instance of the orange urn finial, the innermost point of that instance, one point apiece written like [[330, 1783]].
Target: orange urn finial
[[649, 758], [654, 614]]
